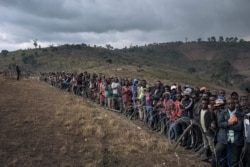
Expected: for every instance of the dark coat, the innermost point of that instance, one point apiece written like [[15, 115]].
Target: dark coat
[[187, 106], [209, 117], [238, 128]]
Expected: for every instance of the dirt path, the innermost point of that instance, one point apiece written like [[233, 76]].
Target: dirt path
[[43, 126]]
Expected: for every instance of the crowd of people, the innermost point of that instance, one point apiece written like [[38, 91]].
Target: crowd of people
[[223, 119]]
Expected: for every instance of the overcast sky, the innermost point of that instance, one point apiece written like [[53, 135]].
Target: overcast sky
[[119, 23]]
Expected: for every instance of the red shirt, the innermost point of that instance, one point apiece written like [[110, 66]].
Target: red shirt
[[126, 94]]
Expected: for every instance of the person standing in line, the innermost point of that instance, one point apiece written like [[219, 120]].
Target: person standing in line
[[126, 96], [230, 135], [208, 122], [246, 148], [115, 85]]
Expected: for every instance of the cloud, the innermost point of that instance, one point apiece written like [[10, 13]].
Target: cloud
[[119, 22]]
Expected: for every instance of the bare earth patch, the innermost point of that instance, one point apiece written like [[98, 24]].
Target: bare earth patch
[[42, 126]]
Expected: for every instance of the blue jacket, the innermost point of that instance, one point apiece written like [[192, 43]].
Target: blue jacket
[[238, 128], [187, 106]]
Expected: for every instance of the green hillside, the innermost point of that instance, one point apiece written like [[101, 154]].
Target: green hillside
[[213, 64]]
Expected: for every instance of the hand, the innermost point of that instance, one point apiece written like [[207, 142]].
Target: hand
[[213, 126], [233, 119]]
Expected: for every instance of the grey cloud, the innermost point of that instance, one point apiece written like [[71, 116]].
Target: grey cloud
[[137, 21]]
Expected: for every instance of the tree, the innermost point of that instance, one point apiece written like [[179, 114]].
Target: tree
[[225, 68], [241, 40], [191, 70], [35, 42], [109, 47], [221, 39], [109, 61], [231, 39], [213, 39], [29, 60], [235, 39], [199, 40], [4, 53]]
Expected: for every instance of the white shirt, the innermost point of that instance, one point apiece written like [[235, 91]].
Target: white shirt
[[247, 128], [230, 133], [203, 112], [115, 86]]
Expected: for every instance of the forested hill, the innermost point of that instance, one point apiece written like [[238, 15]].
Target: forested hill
[[216, 63]]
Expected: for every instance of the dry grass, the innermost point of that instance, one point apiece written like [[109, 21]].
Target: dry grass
[[44, 126]]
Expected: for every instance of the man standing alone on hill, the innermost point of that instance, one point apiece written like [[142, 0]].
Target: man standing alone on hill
[[18, 71]]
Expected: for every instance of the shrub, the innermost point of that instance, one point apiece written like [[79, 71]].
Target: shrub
[[191, 70], [29, 60], [109, 61]]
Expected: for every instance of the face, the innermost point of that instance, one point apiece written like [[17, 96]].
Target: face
[[244, 98], [214, 92], [167, 89], [221, 93], [178, 96], [144, 83], [204, 104], [126, 83], [173, 90], [158, 84], [204, 96], [231, 104], [243, 106], [166, 96], [234, 96], [212, 100], [194, 97], [196, 89]]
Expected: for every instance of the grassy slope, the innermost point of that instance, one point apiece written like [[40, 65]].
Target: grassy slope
[[43, 126], [168, 61]]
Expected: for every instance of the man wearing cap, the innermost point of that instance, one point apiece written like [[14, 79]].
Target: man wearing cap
[[187, 104], [218, 107], [187, 111]]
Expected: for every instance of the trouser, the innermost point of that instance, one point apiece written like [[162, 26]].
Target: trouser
[[208, 141], [78, 89], [148, 115], [102, 99], [115, 102], [108, 102], [174, 130], [73, 89], [233, 154], [247, 155], [140, 110]]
